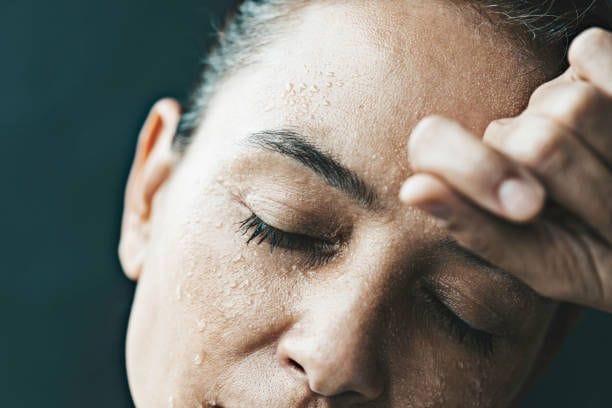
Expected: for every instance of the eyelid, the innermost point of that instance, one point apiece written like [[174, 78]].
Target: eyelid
[[294, 219], [475, 312], [288, 234], [319, 251], [488, 321], [462, 332]]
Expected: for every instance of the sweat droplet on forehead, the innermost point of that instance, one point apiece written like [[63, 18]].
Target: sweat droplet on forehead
[[306, 96], [201, 325]]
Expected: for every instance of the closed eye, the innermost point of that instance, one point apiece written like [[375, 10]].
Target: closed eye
[[318, 250], [460, 331]]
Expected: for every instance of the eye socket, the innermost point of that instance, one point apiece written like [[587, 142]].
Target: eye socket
[[479, 341], [318, 250]]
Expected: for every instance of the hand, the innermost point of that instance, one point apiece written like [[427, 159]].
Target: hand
[[534, 196]]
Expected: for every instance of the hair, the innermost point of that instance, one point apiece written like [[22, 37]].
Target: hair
[[539, 25]]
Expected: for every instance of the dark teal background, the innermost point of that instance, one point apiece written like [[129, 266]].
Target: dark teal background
[[77, 80]]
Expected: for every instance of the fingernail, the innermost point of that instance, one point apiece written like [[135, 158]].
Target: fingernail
[[436, 209], [521, 198]]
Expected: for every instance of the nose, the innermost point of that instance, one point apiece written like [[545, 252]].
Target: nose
[[334, 350]]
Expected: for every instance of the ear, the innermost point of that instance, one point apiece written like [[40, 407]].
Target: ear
[[153, 163]]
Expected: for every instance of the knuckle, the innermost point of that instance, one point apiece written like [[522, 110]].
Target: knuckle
[[580, 99], [493, 128], [495, 132], [541, 144], [574, 266], [567, 102], [540, 92], [587, 42], [597, 35]]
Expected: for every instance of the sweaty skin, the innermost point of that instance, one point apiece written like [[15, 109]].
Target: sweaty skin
[[547, 170], [217, 322]]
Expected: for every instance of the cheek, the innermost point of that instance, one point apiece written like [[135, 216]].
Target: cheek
[[437, 374], [204, 297], [445, 375], [234, 292], [430, 368]]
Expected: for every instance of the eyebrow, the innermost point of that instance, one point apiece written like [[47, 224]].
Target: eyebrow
[[295, 146]]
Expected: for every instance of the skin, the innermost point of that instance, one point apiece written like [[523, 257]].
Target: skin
[[557, 155], [217, 322]]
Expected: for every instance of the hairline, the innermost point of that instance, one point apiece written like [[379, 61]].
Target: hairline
[[257, 24]]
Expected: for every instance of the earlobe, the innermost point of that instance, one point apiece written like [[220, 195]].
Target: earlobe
[[153, 163]]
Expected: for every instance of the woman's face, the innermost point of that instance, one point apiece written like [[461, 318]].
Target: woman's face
[[280, 267]]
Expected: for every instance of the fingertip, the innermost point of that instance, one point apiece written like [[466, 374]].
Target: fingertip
[[495, 131], [429, 122], [429, 125], [421, 188], [590, 40], [521, 200]]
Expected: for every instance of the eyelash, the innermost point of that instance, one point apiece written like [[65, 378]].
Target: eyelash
[[318, 250], [478, 340]]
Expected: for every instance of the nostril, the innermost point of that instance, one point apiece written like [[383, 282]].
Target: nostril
[[296, 366]]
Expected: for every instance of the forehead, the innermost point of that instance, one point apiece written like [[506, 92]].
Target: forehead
[[357, 76]]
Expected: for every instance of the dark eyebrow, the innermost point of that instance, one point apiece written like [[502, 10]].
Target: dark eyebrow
[[295, 146]]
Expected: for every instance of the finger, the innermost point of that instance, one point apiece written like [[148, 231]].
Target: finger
[[553, 261], [590, 55], [581, 107], [574, 177], [429, 193], [442, 147], [569, 75]]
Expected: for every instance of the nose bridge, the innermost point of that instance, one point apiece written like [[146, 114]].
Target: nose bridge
[[353, 310], [346, 321], [347, 336], [335, 343], [352, 313]]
